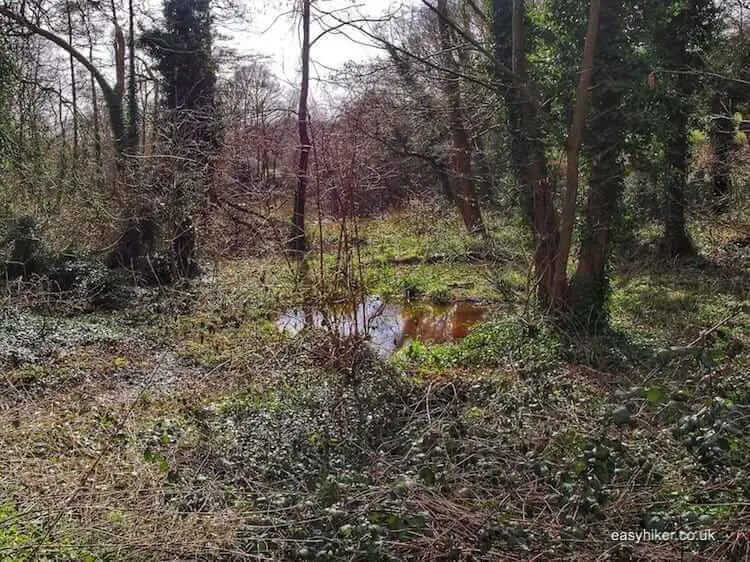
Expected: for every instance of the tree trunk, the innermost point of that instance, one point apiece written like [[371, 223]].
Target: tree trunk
[[94, 106], [464, 191], [676, 153], [502, 32], [722, 138], [528, 156], [97, 132], [603, 138], [132, 140], [74, 89], [528, 151], [575, 135], [535, 178], [465, 194], [297, 242]]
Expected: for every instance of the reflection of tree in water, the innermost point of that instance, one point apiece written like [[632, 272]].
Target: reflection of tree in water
[[440, 323], [388, 326]]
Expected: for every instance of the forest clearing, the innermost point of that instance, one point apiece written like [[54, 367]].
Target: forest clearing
[[486, 297]]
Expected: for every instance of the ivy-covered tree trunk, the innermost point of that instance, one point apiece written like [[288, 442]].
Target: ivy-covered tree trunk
[[183, 51], [502, 32], [676, 155], [297, 243], [604, 139], [682, 32], [464, 191], [527, 142]]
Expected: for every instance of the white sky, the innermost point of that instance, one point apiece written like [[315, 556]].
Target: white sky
[[275, 32], [271, 29]]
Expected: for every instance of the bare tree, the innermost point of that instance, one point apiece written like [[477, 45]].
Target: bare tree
[[112, 97], [297, 241]]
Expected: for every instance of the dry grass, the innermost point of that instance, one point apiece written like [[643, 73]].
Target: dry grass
[[198, 432]]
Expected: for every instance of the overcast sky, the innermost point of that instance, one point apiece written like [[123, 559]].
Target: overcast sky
[[274, 31]]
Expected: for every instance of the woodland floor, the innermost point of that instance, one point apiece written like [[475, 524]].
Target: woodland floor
[[186, 427]]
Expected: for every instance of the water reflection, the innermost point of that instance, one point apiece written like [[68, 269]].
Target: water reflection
[[389, 326]]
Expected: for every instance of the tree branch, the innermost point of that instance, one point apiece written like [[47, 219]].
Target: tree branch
[[113, 100]]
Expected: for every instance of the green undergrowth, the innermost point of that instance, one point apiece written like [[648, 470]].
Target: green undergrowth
[[27, 337], [20, 539], [518, 441], [510, 343]]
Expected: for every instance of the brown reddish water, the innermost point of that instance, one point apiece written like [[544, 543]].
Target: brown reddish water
[[390, 326]]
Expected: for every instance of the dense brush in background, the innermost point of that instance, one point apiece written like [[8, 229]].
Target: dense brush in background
[[590, 122], [490, 302]]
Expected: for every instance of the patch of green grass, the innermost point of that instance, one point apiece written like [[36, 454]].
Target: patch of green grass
[[439, 282], [14, 539], [504, 343], [19, 538], [209, 345], [662, 307]]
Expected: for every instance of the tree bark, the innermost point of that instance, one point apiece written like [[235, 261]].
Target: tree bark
[[502, 32], [676, 153], [297, 242], [575, 135], [74, 89], [94, 104], [464, 192], [132, 140], [528, 152], [541, 207], [604, 138]]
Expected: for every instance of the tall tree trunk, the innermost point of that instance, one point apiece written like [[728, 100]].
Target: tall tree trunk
[[155, 117], [132, 84], [722, 138], [144, 122], [676, 153], [63, 167], [575, 136], [297, 242], [94, 104], [527, 141], [541, 206], [502, 32], [603, 138], [97, 131], [464, 191], [73, 86], [529, 152]]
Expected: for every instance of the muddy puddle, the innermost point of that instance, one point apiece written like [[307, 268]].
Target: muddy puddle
[[389, 326]]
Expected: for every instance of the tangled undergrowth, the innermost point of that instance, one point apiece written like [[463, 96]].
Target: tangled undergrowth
[[186, 427]]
